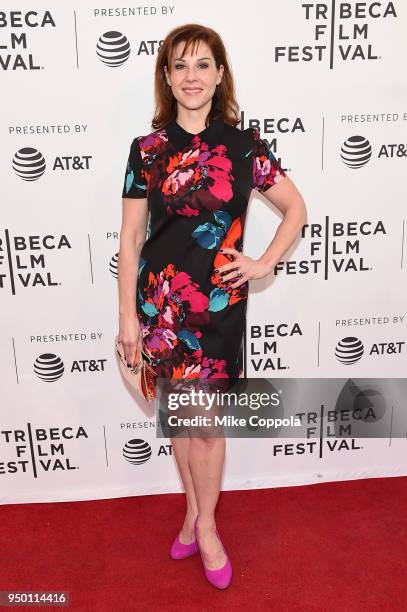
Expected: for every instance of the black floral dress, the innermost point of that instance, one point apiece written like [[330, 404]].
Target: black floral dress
[[197, 188]]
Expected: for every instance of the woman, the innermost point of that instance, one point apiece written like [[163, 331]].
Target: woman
[[194, 174]]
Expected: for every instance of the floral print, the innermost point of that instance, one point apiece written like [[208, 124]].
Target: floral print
[[266, 171], [197, 178], [172, 311], [210, 234], [197, 188]]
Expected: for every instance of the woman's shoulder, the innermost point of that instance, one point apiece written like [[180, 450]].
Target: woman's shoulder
[[150, 144], [150, 139]]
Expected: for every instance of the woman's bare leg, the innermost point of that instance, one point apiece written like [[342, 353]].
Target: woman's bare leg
[[200, 459], [180, 448], [206, 458]]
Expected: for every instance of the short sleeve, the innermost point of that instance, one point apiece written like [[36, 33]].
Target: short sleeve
[[135, 185], [266, 169]]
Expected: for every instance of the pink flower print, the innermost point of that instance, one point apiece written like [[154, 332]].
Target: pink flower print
[[199, 178]]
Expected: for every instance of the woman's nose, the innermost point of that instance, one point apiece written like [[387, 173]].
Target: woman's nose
[[190, 75]]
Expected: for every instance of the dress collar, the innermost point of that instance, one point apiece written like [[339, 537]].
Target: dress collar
[[212, 134]]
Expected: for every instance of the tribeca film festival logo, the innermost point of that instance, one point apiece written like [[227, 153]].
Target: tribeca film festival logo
[[264, 346], [29, 163], [335, 247], [14, 26], [357, 412], [39, 449], [23, 260], [341, 32], [350, 350]]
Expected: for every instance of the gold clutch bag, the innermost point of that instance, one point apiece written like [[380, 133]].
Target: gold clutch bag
[[141, 375]]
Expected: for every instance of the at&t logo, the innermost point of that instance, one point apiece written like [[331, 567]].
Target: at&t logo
[[356, 151], [349, 350], [29, 163], [137, 451], [50, 368], [113, 48]]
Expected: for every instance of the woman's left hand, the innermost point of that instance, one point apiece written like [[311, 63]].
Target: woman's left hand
[[250, 268]]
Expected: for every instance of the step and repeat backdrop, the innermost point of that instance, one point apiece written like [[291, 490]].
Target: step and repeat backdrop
[[324, 82]]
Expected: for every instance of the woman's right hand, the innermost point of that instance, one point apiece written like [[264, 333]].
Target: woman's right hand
[[130, 336]]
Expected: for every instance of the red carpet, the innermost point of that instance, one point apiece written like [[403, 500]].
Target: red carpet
[[320, 548]]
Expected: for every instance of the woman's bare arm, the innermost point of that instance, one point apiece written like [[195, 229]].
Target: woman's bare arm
[[132, 238], [289, 201]]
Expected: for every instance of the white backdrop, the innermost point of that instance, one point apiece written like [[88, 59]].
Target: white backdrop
[[327, 87]]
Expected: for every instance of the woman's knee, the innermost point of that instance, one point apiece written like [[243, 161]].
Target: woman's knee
[[205, 442]]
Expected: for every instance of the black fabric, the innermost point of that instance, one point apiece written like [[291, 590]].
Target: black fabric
[[197, 188]]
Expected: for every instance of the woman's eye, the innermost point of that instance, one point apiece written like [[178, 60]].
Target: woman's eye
[[203, 65]]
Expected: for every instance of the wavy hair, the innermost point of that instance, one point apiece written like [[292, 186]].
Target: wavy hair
[[224, 101]]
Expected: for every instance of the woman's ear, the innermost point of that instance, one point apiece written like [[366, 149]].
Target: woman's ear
[[166, 75], [221, 69]]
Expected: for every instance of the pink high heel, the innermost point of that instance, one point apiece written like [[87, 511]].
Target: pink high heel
[[221, 577], [182, 551]]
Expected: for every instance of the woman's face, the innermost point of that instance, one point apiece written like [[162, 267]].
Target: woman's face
[[193, 78]]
